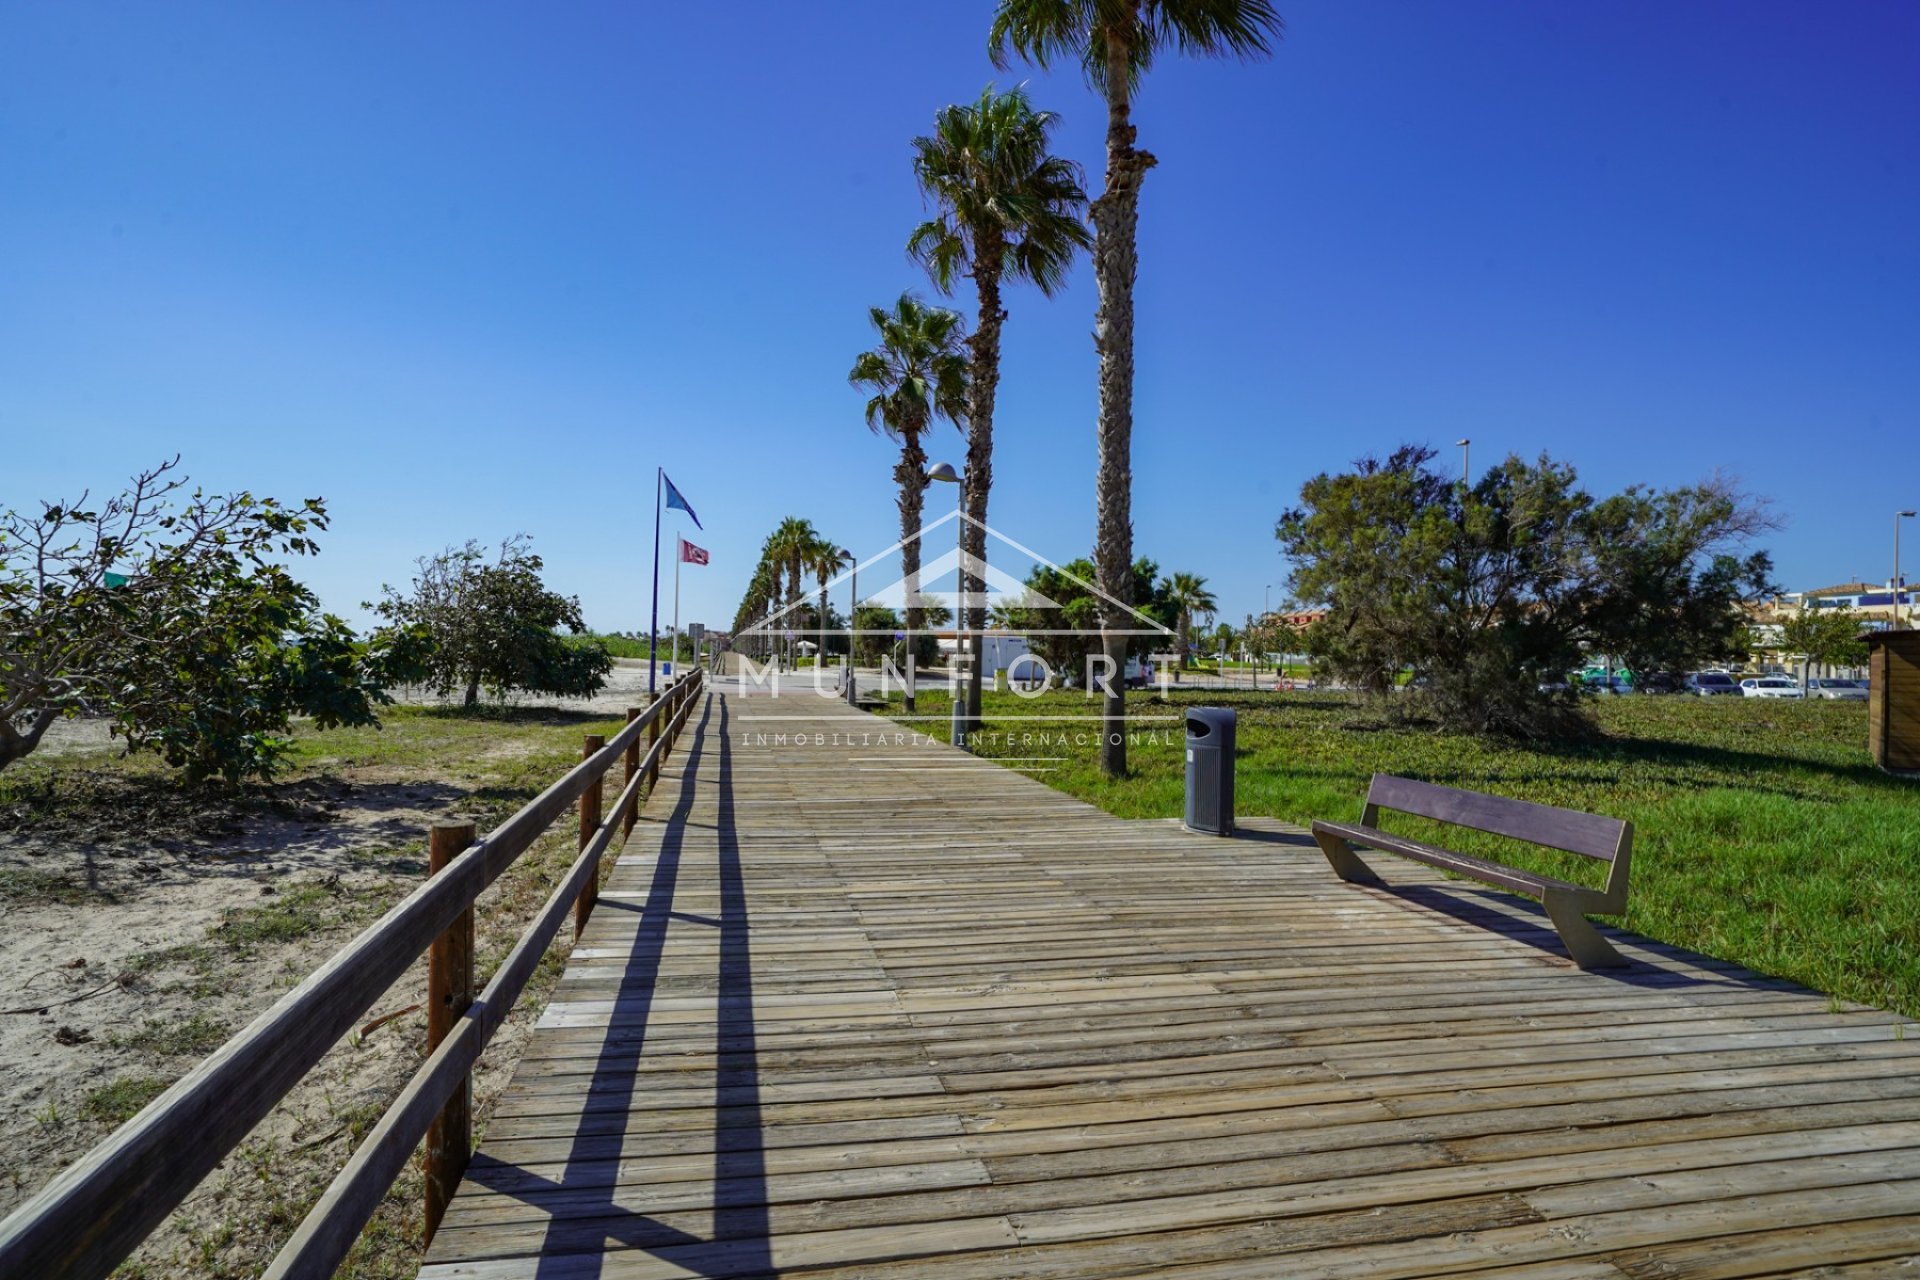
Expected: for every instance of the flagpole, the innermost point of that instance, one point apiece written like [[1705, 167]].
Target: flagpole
[[679, 554], [653, 626]]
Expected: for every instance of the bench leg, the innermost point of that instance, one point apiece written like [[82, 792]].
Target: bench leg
[[1583, 942], [1346, 863]]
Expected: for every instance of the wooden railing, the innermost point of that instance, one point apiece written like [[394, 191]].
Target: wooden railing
[[95, 1213]]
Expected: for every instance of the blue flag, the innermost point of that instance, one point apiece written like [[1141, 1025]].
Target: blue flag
[[675, 500]]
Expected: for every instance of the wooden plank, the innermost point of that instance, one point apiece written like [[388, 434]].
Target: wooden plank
[[1567, 829], [843, 1023]]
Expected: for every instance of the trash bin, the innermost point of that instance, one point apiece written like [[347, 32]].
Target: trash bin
[[1210, 733]]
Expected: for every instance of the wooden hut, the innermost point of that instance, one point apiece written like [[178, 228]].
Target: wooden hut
[[1893, 705]]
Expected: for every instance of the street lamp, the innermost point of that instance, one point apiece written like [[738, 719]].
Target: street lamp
[[1898, 516], [945, 473], [1466, 472], [845, 555]]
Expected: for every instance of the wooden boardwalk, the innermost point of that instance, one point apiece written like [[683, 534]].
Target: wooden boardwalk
[[868, 1009]]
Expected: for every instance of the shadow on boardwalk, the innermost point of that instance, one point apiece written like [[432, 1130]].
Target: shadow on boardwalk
[[575, 1242]]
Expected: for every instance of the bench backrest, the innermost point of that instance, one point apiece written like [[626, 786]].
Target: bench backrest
[[1541, 824]]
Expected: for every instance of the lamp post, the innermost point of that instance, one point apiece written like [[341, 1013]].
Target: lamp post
[[845, 555], [945, 473], [1252, 664], [1898, 516], [1466, 472]]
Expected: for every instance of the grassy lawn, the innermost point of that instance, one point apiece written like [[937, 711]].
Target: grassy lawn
[[1763, 833]]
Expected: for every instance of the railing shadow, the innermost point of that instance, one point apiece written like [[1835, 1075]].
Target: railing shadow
[[583, 1201]]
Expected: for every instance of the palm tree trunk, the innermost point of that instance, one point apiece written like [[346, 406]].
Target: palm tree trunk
[[911, 474], [1116, 216], [984, 386]]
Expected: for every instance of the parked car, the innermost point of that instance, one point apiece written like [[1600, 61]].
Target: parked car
[[1658, 682], [1618, 686], [1837, 690], [1709, 684], [1770, 687]]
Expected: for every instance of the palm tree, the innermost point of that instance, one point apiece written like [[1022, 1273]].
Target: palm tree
[[758, 602], [917, 374], [1190, 595], [825, 559], [788, 547], [1115, 42], [1004, 208]]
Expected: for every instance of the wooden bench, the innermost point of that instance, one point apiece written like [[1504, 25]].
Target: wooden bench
[[1609, 839]]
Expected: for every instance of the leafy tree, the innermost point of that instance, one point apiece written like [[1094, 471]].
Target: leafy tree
[[494, 626], [917, 374], [1005, 208], [167, 613], [1490, 592], [1065, 637], [1115, 43], [1829, 637], [1665, 578]]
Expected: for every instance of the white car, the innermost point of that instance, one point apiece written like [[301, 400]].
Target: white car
[[1850, 690], [1770, 687]]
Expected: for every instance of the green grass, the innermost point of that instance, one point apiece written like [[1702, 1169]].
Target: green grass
[[118, 1102], [24, 884], [1763, 833], [196, 1035]]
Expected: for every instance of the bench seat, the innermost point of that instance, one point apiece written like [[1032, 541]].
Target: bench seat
[[1447, 860], [1567, 904]]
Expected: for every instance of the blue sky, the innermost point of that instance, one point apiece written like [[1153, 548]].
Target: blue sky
[[469, 270]]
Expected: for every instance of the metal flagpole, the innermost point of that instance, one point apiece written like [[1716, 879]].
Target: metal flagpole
[[653, 626], [679, 554]]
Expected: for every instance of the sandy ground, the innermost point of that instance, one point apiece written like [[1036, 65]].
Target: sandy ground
[[104, 986]]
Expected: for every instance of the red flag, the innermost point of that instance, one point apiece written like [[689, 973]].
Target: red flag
[[690, 554]]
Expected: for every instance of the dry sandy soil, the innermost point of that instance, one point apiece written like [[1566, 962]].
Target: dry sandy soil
[[129, 950]]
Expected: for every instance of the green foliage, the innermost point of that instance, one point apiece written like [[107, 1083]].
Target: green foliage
[[1489, 592], [1003, 203], [469, 624], [1078, 616], [1190, 597], [1830, 636], [199, 646], [1085, 31]]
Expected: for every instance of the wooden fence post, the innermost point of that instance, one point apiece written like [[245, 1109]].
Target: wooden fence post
[[633, 767], [449, 993], [589, 823], [653, 736]]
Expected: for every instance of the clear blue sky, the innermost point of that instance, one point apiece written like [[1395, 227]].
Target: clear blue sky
[[474, 269]]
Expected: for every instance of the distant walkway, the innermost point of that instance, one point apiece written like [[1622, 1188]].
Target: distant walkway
[[856, 1007]]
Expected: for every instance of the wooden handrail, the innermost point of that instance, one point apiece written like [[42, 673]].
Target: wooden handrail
[[96, 1212]]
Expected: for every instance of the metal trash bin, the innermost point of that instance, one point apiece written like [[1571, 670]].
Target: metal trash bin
[[1210, 735]]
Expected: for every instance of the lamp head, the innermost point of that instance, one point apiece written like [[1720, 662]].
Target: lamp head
[[943, 472], [1906, 514]]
